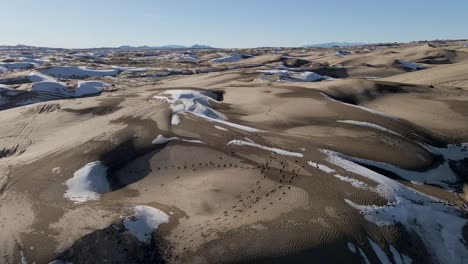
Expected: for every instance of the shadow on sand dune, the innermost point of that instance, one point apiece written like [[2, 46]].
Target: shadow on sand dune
[[113, 245]]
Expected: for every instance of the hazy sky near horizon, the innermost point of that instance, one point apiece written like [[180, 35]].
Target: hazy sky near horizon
[[225, 24]]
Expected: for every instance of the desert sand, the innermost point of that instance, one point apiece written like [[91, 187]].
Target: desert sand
[[269, 155]]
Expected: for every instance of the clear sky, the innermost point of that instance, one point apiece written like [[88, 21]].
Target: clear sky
[[227, 23]]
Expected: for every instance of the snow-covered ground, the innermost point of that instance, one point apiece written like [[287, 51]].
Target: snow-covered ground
[[232, 58], [439, 225], [304, 77], [250, 143], [18, 65], [295, 75], [321, 167], [367, 125], [341, 53], [3, 69], [54, 87], [36, 76], [129, 69], [411, 65], [87, 183], [77, 72], [197, 102], [441, 175], [145, 220], [86, 88], [160, 139]]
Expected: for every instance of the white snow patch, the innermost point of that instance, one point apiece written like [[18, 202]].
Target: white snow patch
[[274, 71], [384, 259], [362, 108], [58, 261], [34, 61], [199, 104], [129, 69], [356, 183], [379, 252], [221, 128], [6, 90], [411, 65], [56, 170], [196, 141], [274, 150], [159, 140], [51, 86], [417, 212], [145, 221], [54, 87], [366, 260], [88, 183], [36, 76], [76, 72], [341, 53], [234, 125], [442, 175], [304, 77], [367, 124], [351, 247], [18, 65], [23, 258], [451, 152], [89, 88], [399, 258], [175, 120], [233, 58], [321, 167]]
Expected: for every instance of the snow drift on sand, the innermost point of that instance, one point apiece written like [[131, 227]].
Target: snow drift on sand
[[274, 150], [18, 65], [160, 139], [341, 53], [232, 58], [199, 104], [439, 225], [411, 65], [54, 87], [145, 221], [6, 90], [304, 77], [368, 125], [77, 72], [36, 76], [129, 69], [85, 88], [441, 175], [88, 183], [5, 93]]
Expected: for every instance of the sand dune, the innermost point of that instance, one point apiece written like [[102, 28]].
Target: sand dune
[[451, 75], [258, 161]]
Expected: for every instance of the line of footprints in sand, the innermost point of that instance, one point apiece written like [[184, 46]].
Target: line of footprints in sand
[[287, 174]]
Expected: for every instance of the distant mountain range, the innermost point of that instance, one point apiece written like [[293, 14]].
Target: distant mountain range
[[335, 44], [196, 46]]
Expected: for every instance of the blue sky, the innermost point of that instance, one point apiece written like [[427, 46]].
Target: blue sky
[[233, 23]]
